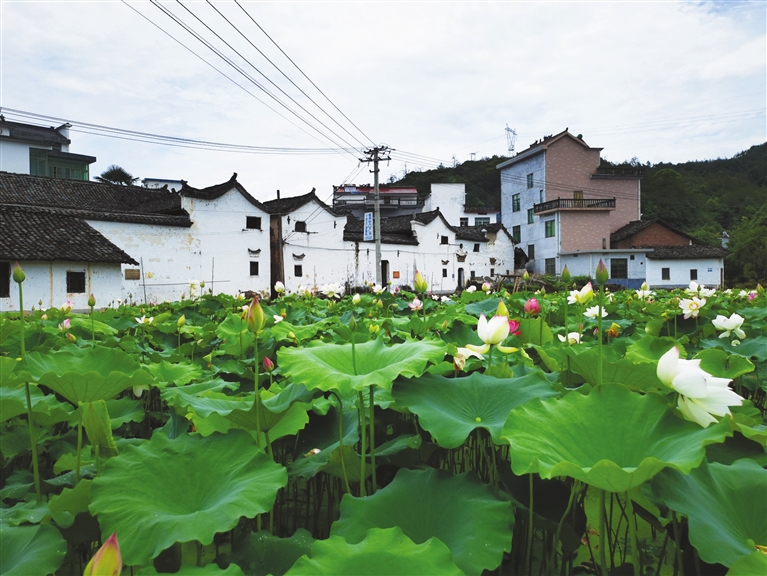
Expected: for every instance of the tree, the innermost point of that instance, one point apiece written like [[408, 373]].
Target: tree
[[114, 174], [748, 246]]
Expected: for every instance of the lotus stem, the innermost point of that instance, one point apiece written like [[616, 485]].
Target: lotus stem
[[98, 460], [361, 409], [530, 531], [341, 439], [636, 556], [372, 438], [258, 395], [93, 330], [79, 443], [33, 443], [558, 533], [599, 316], [603, 535], [678, 542]]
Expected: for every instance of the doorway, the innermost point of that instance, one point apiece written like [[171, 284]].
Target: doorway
[[384, 272], [461, 280]]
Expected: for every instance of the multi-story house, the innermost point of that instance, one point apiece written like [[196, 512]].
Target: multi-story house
[[556, 200]]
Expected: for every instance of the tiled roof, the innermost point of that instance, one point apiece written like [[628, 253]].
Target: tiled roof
[[636, 226], [540, 145], [42, 235], [288, 205], [475, 234], [218, 190], [94, 200], [394, 230], [684, 252], [32, 133]]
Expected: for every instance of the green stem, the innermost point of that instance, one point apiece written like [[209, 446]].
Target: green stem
[[269, 451], [79, 444], [363, 429], [93, 330], [341, 440], [603, 535], [635, 554], [98, 460], [558, 534], [601, 301], [372, 438], [33, 443], [678, 542], [529, 553], [257, 401]]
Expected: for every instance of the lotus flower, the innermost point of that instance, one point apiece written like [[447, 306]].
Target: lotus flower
[[514, 327], [416, 304], [66, 307], [486, 286], [532, 307], [731, 324], [420, 284], [107, 561], [279, 287], [277, 318], [593, 312], [701, 395], [356, 299], [582, 296], [332, 290], [268, 364], [691, 307], [377, 289], [144, 320], [65, 325], [492, 333], [462, 355], [255, 319], [692, 289], [572, 338], [471, 289], [644, 291]]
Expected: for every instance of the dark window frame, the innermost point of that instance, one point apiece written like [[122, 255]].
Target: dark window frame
[[551, 228], [665, 273], [531, 251], [76, 282], [476, 247], [300, 226], [252, 264], [516, 234], [619, 268], [5, 279], [298, 270], [693, 273], [253, 222], [530, 180], [516, 203], [550, 266], [443, 240], [531, 216], [444, 272]]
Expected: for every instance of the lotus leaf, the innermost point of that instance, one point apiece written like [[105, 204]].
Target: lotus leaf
[[71, 502], [726, 507], [748, 348], [383, 552], [650, 349], [179, 374], [26, 550], [754, 563], [98, 427], [330, 366], [235, 335], [723, 365], [207, 570], [615, 370], [124, 410], [261, 553], [459, 510], [613, 439], [25, 513], [180, 490], [535, 331], [450, 408]]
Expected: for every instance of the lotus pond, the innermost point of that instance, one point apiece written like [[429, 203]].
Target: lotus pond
[[491, 432]]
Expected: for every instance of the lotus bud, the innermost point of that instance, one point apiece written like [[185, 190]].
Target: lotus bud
[[420, 284], [356, 299], [208, 359], [71, 337], [91, 300], [374, 328], [486, 286], [502, 310], [526, 276], [379, 304], [532, 307], [565, 275], [268, 364], [181, 321], [18, 274], [353, 323], [279, 287], [601, 274], [107, 561], [254, 316], [759, 288]]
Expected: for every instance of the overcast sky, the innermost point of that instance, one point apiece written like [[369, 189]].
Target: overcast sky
[[660, 81]]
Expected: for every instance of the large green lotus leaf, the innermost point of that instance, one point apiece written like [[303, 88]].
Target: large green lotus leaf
[[25, 513], [71, 502], [751, 565], [13, 401], [278, 424], [189, 488], [723, 365], [642, 376], [535, 331], [748, 348], [330, 367], [649, 349], [738, 447], [84, 326], [613, 439], [7, 366], [26, 550], [176, 396], [85, 376], [179, 374], [451, 408], [286, 332], [261, 553], [383, 552], [98, 427], [726, 507], [207, 570], [459, 510], [486, 306], [235, 335], [125, 410]]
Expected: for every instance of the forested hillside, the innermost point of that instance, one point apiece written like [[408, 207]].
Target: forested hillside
[[703, 198]]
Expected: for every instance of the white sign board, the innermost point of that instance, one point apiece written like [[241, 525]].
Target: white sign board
[[367, 231]]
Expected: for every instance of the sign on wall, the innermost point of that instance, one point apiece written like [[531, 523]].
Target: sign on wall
[[367, 233]]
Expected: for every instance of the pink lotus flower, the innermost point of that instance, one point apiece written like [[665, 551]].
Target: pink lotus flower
[[415, 305], [107, 561], [514, 327], [65, 325], [532, 307]]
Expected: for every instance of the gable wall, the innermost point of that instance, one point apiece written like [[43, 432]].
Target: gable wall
[[654, 235]]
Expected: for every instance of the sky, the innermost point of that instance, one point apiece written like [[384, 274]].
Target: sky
[[438, 82]]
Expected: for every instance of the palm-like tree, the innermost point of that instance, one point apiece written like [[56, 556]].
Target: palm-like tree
[[114, 174]]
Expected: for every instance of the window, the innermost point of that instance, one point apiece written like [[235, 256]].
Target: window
[[300, 226], [481, 221], [578, 194], [551, 266], [551, 228], [75, 282], [444, 272], [619, 268], [253, 223], [515, 202], [464, 221], [254, 268], [631, 257], [531, 216], [492, 271], [531, 251], [472, 276], [476, 247], [5, 279], [540, 194], [665, 273], [443, 240], [298, 270], [530, 180], [41, 163], [693, 273], [516, 234]]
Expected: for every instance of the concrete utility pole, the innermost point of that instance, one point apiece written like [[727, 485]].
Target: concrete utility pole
[[375, 155]]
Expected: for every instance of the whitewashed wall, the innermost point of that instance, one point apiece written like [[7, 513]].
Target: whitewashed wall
[[450, 199], [585, 264], [710, 272], [14, 157], [47, 282]]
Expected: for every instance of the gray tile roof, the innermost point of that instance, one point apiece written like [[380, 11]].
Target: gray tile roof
[[288, 205], [218, 190], [636, 226], [684, 252], [31, 133], [44, 235]]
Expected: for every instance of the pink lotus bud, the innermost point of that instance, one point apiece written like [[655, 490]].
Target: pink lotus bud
[[601, 274], [254, 316], [532, 307], [268, 364], [65, 325], [107, 561], [514, 327], [91, 300]]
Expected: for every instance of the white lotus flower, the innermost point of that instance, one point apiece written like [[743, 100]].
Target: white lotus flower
[[644, 292], [572, 338], [144, 320], [692, 289], [356, 299], [593, 312], [279, 287], [691, 307], [377, 289], [332, 290], [462, 355], [471, 289], [277, 318], [731, 324], [492, 333], [701, 395], [582, 296]]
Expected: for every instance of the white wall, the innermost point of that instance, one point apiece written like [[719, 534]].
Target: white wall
[[450, 199], [585, 264], [14, 156], [47, 281], [680, 272]]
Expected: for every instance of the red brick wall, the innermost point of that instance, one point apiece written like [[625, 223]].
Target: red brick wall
[[584, 230], [654, 235]]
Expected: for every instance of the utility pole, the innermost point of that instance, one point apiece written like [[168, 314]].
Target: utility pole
[[375, 155]]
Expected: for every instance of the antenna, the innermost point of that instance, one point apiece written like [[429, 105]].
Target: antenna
[[511, 138], [473, 156]]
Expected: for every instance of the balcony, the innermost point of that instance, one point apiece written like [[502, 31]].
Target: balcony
[[364, 200], [574, 204]]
